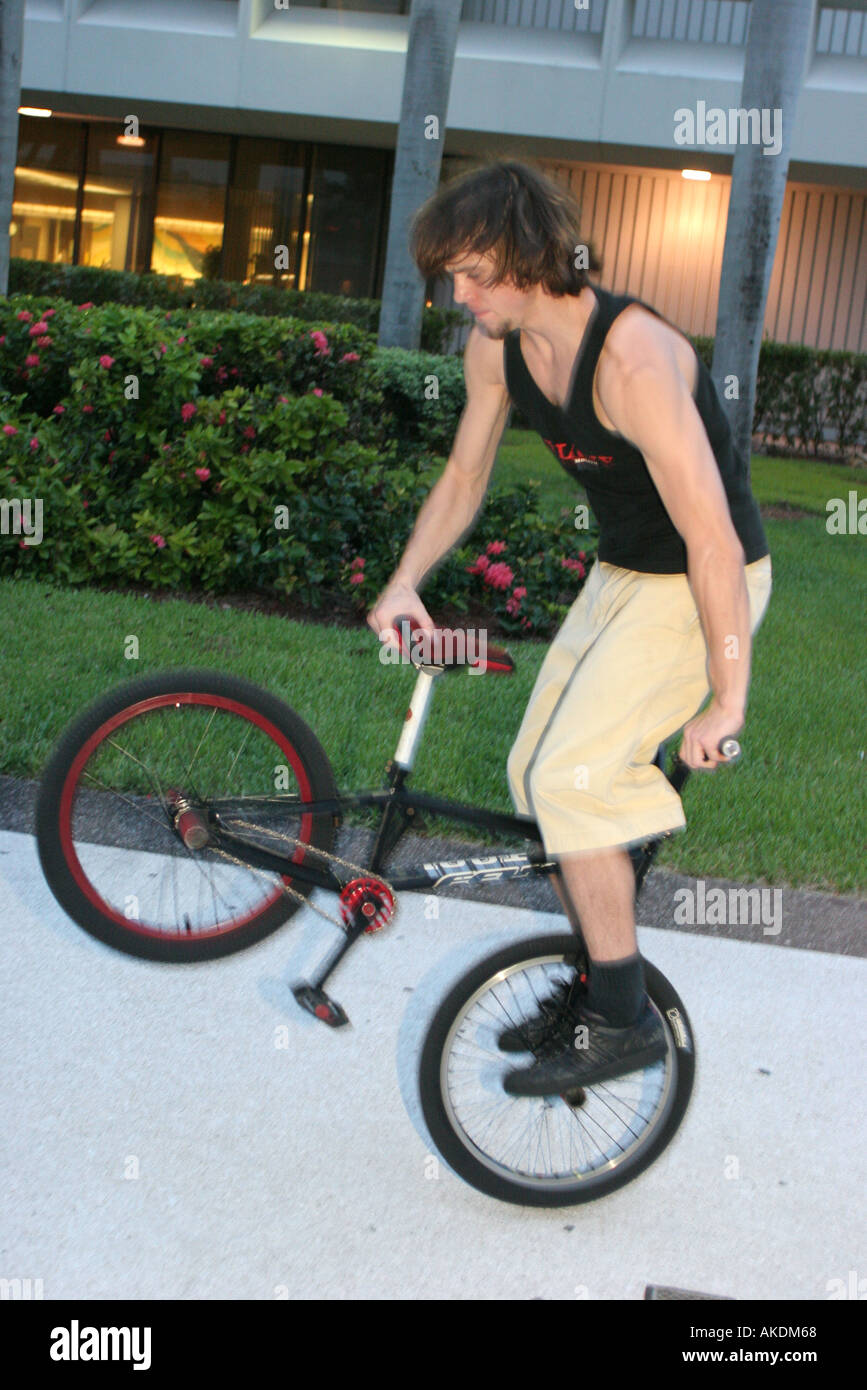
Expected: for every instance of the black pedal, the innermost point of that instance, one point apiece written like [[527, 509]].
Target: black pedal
[[317, 1003]]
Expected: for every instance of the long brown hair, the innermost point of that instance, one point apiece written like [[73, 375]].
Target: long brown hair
[[529, 222]]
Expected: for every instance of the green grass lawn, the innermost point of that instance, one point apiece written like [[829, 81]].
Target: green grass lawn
[[792, 813]]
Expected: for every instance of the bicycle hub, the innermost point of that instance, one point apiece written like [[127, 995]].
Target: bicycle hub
[[191, 826]]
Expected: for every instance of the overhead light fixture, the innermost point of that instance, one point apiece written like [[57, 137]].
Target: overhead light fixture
[[33, 111], [701, 175]]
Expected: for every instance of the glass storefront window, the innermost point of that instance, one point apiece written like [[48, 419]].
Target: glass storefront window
[[191, 198], [116, 208], [264, 212], [344, 220], [46, 188]]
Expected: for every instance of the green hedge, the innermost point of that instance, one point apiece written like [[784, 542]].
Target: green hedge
[[85, 283], [222, 451]]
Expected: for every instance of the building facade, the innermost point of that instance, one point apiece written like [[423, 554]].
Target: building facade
[[253, 140]]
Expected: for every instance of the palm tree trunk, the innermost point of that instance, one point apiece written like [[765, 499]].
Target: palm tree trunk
[[777, 44], [11, 45], [433, 36]]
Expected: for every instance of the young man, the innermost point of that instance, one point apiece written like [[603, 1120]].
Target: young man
[[682, 577]]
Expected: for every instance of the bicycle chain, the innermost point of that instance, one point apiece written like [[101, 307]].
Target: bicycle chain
[[326, 854]]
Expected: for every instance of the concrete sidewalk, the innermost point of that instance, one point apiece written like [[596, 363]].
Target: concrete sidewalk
[[162, 1143]]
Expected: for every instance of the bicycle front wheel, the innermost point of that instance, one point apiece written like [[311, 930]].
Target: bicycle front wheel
[[544, 1151], [215, 749]]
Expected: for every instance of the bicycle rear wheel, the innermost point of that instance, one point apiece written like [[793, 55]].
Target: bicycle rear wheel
[[544, 1151], [108, 819]]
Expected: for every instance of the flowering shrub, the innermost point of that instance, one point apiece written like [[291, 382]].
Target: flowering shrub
[[220, 451]]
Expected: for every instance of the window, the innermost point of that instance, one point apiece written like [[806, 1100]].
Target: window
[[116, 207], [46, 188], [345, 203], [265, 212], [191, 197]]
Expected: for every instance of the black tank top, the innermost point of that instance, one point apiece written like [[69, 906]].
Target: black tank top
[[635, 530]]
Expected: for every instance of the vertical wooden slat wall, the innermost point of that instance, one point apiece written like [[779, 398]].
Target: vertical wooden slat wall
[[661, 238]]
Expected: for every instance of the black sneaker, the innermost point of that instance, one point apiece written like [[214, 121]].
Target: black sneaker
[[553, 1017], [609, 1052]]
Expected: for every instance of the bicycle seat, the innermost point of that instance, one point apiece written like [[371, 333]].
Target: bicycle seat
[[446, 649]]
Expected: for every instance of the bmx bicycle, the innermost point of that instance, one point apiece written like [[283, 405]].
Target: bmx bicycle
[[186, 815]]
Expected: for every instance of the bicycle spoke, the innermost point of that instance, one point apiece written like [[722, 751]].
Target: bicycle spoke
[[540, 1140]]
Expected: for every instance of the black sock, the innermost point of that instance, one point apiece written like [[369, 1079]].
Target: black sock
[[615, 989]]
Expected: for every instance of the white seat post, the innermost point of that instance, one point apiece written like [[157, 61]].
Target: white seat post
[[413, 724]]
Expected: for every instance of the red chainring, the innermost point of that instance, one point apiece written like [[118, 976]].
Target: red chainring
[[369, 896]]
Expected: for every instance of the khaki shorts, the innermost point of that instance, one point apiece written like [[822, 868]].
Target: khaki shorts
[[627, 670]]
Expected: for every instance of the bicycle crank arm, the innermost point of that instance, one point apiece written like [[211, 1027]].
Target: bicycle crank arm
[[321, 1005]]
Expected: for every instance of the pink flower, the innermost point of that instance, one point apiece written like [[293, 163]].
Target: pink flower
[[46, 314], [357, 578], [222, 373], [250, 432], [526, 623], [221, 418], [24, 315], [88, 305], [284, 399], [34, 443], [581, 555], [188, 410], [87, 409], [44, 341], [111, 455], [496, 548], [158, 541], [317, 390], [163, 348], [498, 576], [105, 360], [233, 371], [59, 409], [38, 328], [22, 545], [245, 448], [350, 357], [2, 337], [183, 473], [520, 592], [357, 563], [480, 566], [203, 474], [182, 339], [9, 429], [512, 607], [167, 448], [107, 435], [319, 338], [32, 359], [206, 361], [85, 503]]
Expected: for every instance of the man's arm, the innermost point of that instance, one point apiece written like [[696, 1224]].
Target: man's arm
[[454, 502], [644, 393]]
